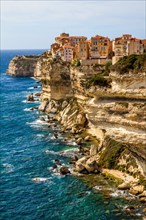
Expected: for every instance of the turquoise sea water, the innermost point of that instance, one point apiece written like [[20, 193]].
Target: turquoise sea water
[[24, 141]]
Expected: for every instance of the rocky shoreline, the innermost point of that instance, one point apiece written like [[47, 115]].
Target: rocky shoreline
[[84, 160]]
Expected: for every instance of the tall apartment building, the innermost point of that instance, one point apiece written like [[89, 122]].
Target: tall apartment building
[[100, 47], [82, 50], [66, 53], [125, 46], [74, 40]]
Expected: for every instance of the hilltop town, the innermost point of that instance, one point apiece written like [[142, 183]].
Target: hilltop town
[[97, 50]]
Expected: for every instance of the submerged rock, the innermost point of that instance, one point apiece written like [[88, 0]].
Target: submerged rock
[[64, 170], [38, 94], [30, 98], [42, 118]]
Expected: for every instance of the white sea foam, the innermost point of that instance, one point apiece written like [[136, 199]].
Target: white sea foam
[[25, 101], [31, 88], [39, 179], [120, 193], [98, 187], [27, 110], [51, 152], [36, 123], [42, 180], [8, 168], [71, 143], [40, 135], [7, 165], [139, 214]]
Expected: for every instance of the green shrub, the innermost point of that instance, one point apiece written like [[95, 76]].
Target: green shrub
[[130, 63], [107, 68], [109, 157], [76, 63], [97, 80]]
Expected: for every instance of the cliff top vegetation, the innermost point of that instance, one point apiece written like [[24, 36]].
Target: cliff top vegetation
[[134, 63]]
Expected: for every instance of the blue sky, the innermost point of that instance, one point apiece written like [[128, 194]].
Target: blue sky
[[34, 24]]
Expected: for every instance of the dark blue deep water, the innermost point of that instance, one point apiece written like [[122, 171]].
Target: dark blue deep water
[[23, 146]]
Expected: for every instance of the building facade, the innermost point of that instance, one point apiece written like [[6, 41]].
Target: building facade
[[98, 48], [125, 46]]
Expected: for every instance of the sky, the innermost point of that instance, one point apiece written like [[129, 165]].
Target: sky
[[34, 24]]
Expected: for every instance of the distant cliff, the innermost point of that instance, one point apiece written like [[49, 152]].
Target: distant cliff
[[23, 65]]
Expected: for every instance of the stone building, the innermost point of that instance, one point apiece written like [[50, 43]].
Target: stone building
[[82, 50], [125, 46], [100, 47]]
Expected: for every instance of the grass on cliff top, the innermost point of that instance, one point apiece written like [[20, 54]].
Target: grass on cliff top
[[134, 63]]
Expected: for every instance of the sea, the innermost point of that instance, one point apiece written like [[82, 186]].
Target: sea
[[29, 188]]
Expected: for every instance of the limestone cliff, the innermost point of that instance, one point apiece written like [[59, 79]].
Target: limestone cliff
[[112, 110], [55, 77], [23, 65]]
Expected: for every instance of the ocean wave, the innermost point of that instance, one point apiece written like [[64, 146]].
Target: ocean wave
[[121, 194], [98, 188], [7, 165], [25, 101], [36, 123], [8, 168], [30, 88], [27, 109], [73, 143], [40, 135], [52, 152], [41, 179]]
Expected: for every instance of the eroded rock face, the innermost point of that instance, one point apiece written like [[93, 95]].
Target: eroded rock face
[[23, 66], [55, 77], [114, 114]]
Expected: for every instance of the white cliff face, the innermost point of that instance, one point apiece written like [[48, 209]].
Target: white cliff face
[[37, 70], [132, 84], [114, 114], [55, 77]]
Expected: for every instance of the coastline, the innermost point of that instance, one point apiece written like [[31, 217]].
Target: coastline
[[69, 136], [106, 182]]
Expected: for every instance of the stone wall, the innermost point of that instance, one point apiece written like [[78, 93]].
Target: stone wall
[[95, 61]]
